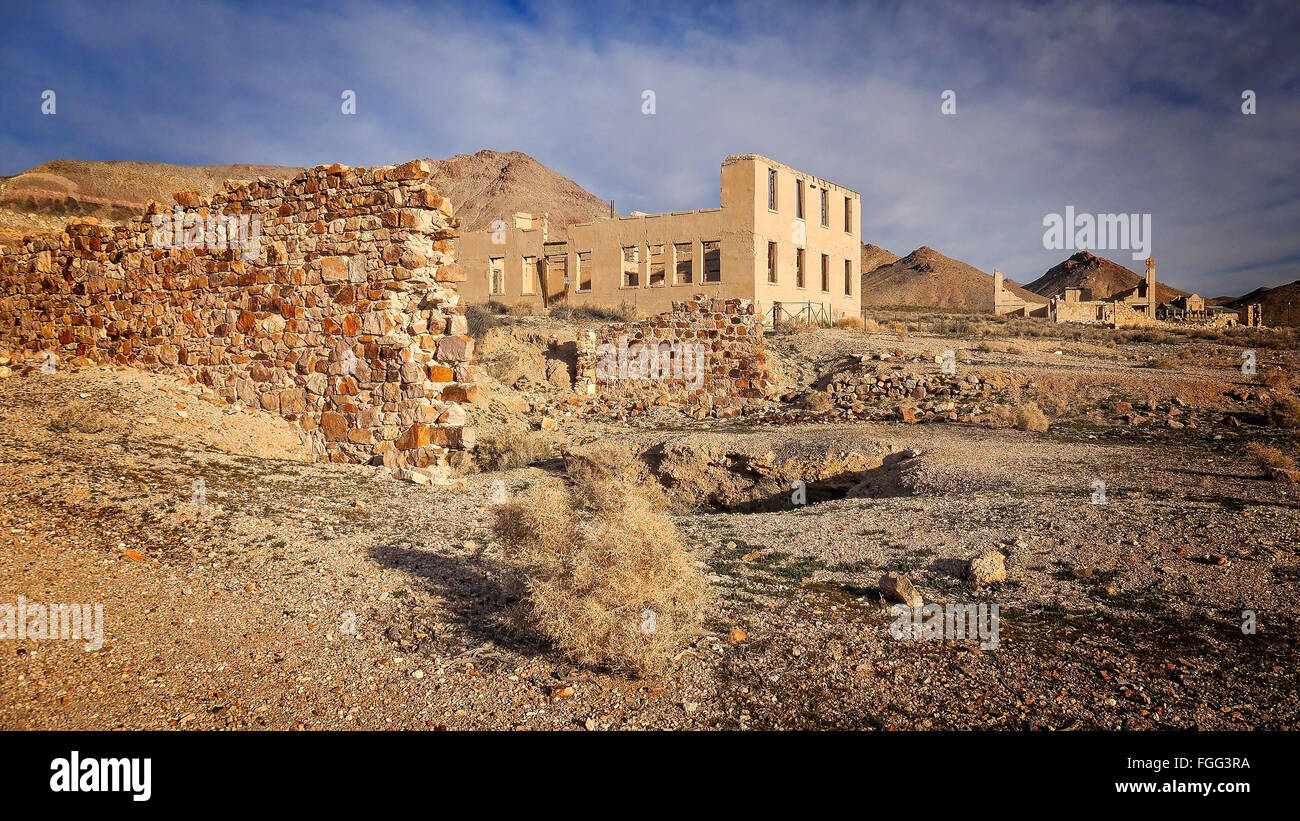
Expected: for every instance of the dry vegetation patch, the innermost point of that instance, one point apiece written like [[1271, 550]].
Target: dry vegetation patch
[[607, 578]]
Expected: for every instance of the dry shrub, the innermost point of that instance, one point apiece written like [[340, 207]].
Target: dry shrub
[[1163, 363], [1057, 394], [507, 449], [1285, 411], [604, 463], [1029, 417], [80, 417], [986, 346], [870, 325], [1015, 350], [523, 309], [1276, 379], [1021, 416], [849, 323], [900, 330], [606, 576], [1269, 457]]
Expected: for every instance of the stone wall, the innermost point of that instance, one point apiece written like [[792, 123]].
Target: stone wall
[[342, 318], [705, 354]]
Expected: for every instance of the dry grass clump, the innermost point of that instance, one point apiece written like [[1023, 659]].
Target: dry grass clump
[[900, 330], [507, 449], [1269, 457], [1276, 379], [1163, 363], [80, 417], [623, 312], [849, 323], [605, 573], [1285, 410], [986, 346], [1021, 416], [1058, 395], [521, 309], [870, 325]]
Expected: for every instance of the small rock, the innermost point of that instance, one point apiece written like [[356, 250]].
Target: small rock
[[736, 636], [897, 588]]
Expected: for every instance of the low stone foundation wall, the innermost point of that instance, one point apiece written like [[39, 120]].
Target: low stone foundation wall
[[341, 316], [706, 354]]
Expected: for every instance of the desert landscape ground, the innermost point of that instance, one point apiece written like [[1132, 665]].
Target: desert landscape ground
[[236, 613]]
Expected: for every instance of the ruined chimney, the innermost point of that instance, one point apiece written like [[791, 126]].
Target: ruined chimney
[[997, 289], [1151, 287]]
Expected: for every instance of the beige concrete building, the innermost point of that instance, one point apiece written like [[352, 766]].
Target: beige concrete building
[[780, 235]]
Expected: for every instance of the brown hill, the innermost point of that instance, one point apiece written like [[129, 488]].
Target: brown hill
[[1099, 278], [873, 256], [482, 187], [927, 278], [491, 185], [42, 199], [1281, 305]]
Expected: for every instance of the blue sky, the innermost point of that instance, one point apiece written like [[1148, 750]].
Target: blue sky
[[1111, 108]]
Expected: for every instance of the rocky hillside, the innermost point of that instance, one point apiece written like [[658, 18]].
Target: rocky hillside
[[1281, 304], [873, 256], [1097, 276], [929, 279], [482, 187]]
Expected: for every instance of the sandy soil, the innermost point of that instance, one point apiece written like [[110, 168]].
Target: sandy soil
[[236, 613]]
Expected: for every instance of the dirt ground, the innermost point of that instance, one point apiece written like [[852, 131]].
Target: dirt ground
[[238, 612]]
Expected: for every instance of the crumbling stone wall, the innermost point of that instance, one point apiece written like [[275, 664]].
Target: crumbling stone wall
[[345, 320], [642, 362]]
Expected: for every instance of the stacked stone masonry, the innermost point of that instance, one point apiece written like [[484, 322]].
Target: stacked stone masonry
[[343, 317], [733, 372]]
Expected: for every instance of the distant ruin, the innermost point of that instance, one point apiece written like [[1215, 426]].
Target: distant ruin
[[1131, 307]]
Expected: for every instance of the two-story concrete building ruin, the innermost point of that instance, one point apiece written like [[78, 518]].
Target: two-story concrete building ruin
[[780, 236]]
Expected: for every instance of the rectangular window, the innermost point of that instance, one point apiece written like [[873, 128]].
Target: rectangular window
[[848, 215], [848, 277], [826, 273], [531, 276], [712, 261], [798, 271], [658, 266], [631, 266], [683, 259], [557, 270], [584, 270], [496, 275], [771, 188], [771, 262], [798, 199], [826, 208]]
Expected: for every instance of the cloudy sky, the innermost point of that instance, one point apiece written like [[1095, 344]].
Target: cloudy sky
[[1108, 107]]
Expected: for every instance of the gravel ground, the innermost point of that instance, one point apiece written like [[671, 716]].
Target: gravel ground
[[236, 613]]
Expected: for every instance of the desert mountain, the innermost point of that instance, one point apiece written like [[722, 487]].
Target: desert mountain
[[482, 187], [491, 185], [1099, 278], [873, 256], [927, 278], [1281, 305]]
